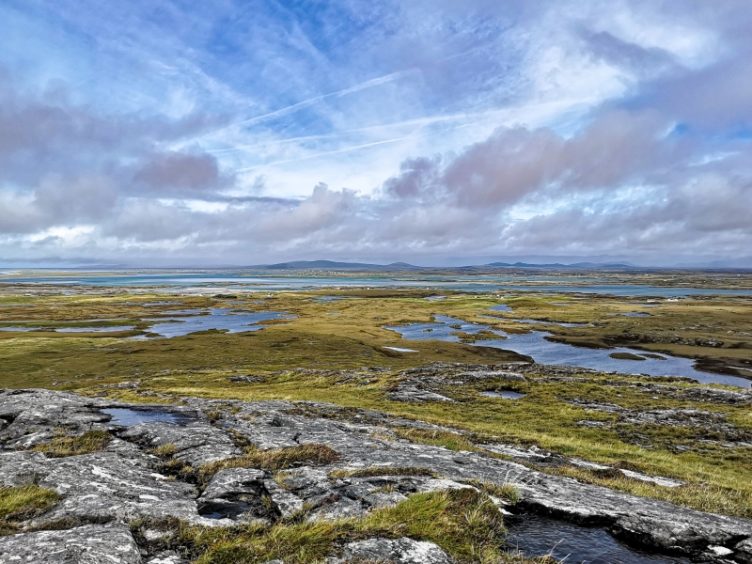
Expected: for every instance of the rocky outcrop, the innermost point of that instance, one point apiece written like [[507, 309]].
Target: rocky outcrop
[[101, 492], [400, 551], [90, 544]]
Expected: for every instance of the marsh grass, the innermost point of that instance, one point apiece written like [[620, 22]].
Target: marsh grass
[[20, 503], [65, 445], [465, 523], [274, 459]]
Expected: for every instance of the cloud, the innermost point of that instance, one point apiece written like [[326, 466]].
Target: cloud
[[362, 130]]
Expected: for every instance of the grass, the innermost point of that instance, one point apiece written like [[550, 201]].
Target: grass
[[20, 503], [314, 357], [465, 523], [373, 471], [64, 445], [274, 459]]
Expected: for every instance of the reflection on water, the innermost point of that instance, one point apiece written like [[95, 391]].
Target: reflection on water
[[127, 417], [184, 322], [543, 351], [535, 535]]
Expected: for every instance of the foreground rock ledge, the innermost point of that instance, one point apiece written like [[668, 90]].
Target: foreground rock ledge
[[101, 492]]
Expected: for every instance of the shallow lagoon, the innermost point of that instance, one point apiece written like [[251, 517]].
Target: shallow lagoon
[[479, 283], [184, 322], [535, 345]]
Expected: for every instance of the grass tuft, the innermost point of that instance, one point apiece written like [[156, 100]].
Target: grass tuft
[[64, 445], [274, 459], [20, 503]]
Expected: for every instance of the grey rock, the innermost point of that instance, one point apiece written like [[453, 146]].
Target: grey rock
[[195, 444], [238, 494], [400, 551], [90, 544]]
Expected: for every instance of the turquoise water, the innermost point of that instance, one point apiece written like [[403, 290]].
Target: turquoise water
[[481, 283]]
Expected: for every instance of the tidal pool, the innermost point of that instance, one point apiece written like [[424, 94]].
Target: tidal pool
[[535, 535], [128, 417], [184, 322], [535, 345]]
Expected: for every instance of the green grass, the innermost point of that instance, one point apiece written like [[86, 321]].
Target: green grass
[[320, 356], [465, 523], [20, 503]]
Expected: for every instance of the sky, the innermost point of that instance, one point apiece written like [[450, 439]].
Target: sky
[[228, 132]]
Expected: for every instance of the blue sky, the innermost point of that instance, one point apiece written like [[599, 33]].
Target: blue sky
[[229, 132]]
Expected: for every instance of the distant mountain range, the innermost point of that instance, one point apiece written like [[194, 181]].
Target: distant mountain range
[[403, 266]]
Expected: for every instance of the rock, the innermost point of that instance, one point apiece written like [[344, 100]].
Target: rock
[[123, 482], [90, 544], [411, 394], [743, 551], [239, 494], [245, 379], [399, 551], [168, 557], [195, 444]]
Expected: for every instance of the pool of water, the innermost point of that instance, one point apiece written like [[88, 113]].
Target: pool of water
[[636, 314], [190, 321], [444, 328], [128, 417], [535, 345], [534, 535], [14, 329], [503, 394], [501, 307]]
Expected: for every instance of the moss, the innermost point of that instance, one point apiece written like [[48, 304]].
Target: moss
[[64, 445]]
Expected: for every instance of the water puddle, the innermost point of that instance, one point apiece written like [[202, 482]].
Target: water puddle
[[501, 307], [535, 535], [128, 416], [184, 322], [503, 394], [327, 299], [535, 344], [400, 350], [635, 314], [18, 329]]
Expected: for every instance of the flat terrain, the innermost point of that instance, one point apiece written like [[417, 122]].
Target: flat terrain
[[333, 347]]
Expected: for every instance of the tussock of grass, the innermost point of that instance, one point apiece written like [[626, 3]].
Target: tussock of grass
[[373, 471], [507, 492], [64, 445], [20, 503], [275, 459], [465, 523]]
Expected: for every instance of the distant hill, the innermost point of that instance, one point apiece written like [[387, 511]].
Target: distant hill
[[585, 265], [404, 266], [335, 265]]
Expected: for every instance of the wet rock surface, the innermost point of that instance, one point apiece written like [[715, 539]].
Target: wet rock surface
[[101, 492]]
